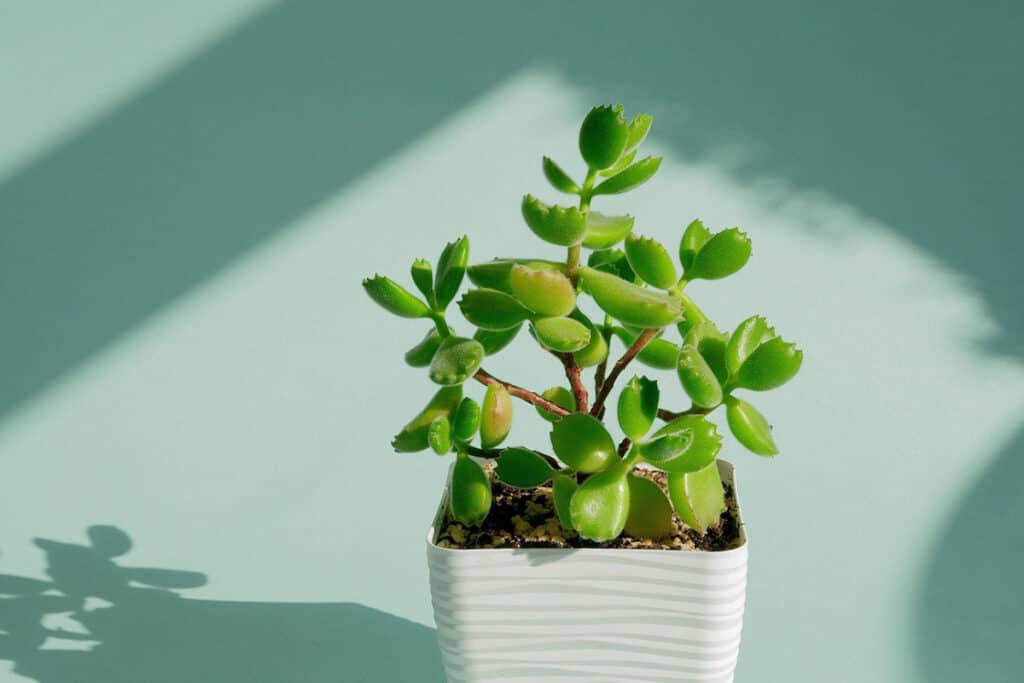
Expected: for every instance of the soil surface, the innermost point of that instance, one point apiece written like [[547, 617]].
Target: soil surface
[[526, 518]]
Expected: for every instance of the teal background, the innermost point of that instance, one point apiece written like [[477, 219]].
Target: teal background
[[190, 194]]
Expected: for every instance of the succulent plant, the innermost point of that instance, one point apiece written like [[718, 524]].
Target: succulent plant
[[639, 290]]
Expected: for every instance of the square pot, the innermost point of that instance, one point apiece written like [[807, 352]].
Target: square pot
[[587, 614]]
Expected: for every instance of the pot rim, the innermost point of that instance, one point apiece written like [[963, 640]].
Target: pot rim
[[725, 469]]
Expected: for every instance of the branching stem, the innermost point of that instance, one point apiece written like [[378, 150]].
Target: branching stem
[[485, 377], [620, 365], [574, 374]]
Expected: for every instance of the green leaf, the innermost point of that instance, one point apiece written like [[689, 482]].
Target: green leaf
[[747, 336], [495, 274], [563, 486], [613, 262], [439, 435], [423, 276], [564, 335], [650, 513], [395, 298], [694, 237], [749, 426], [413, 436], [606, 231], [596, 350], [523, 468], [466, 420], [710, 342], [603, 136], [420, 355], [558, 178], [771, 365], [638, 406], [601, 505], [721, 256], [470, 494], [495, 340], [546, 292], [658, 353], [695, 443], [564, 226], [638, 129], [698, 379], [455, 361], [692, 315], [561, 397], [582, 443], [698, 497], [451, 266], [630, 303], [650, 261], [632, 177], [496, 416], [490, 309], [625, 160]]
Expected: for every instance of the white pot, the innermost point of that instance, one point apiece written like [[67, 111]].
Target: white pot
[[588, 614]]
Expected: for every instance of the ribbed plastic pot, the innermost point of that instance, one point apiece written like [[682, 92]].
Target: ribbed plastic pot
[[552, 615]]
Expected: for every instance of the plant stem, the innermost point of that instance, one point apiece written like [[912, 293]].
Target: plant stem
[[624, 446], [572, 261], [620, 365], [493, 453], [668, 415], [485, 377], [574, 374], [602, 368], [440, 323]]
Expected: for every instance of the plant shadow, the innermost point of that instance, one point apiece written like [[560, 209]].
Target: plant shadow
[[95, 621], [971, 605]]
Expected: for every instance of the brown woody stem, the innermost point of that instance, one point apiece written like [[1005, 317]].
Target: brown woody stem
[[620, 365], [668, 415], [485, 377], [573, 373]]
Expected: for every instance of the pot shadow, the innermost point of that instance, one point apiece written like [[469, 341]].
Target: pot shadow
[[970, 613], [95, 621]]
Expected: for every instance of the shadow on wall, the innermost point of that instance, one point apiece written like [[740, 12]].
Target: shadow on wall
[[971, 606], [920, 131], [95, 621]]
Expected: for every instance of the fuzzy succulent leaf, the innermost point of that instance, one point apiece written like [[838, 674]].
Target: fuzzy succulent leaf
[[455, 361], [490, 309], [564, 226], [722, 255], [495, 340], [470, 493], [439, 435], [563, 487], [559, 179], [394, 298], [606, 231], [522, 468], [771, 365], [545, 292], [562, 398], [613, 262], [420, 355], [698, 497], [650, 512], [423, 277], [582, 443], [697, 377], [600, 506], [631, 177], [694, 237], [451, 267], [496, 416], [749, 426], [564, 335], [650, 260], [638, 406], [495, 274], [466, 420], [693, 444], [413, 436], [603, 136], [630, 303]]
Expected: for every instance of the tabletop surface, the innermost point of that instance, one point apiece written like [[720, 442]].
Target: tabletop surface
[[196, 397]]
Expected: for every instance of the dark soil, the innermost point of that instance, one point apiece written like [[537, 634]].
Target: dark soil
[[526, 518]]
